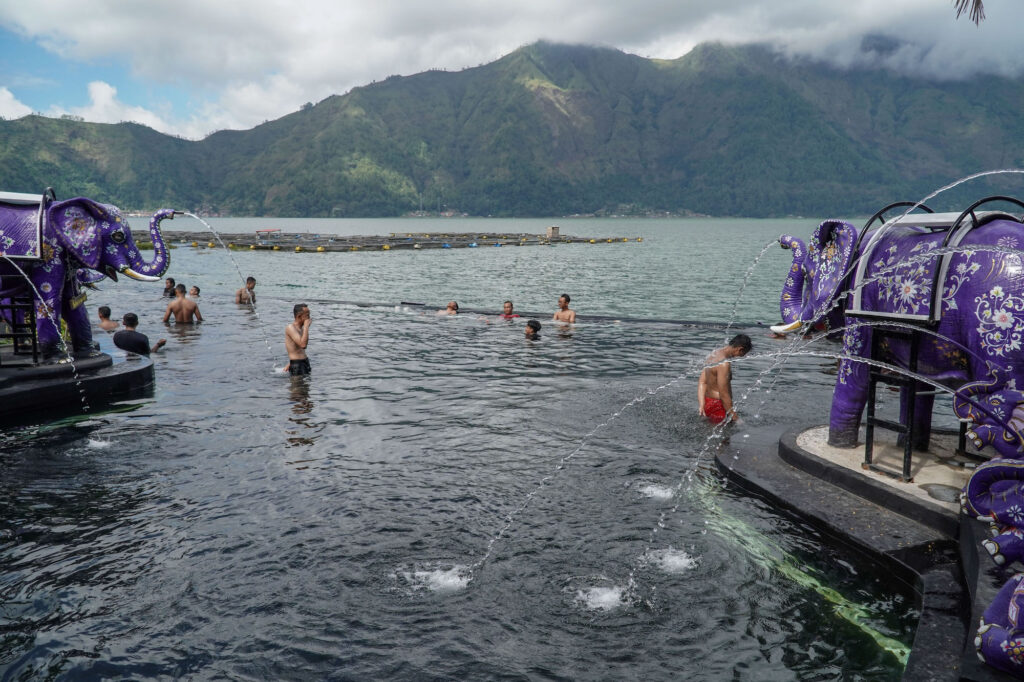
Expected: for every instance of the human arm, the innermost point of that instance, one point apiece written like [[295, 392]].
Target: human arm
[[199, 315], [572, 317], [702, 389], [158, 345], [238, 296], [300, 337], [167, 313], [725, 389]]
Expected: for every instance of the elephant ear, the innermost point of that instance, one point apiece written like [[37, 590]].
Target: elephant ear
[[77, 224], [829, 257]]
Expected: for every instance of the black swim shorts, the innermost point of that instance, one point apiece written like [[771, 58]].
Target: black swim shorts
[[299, 367]]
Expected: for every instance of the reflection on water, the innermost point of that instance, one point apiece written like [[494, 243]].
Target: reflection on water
[[244, 523]]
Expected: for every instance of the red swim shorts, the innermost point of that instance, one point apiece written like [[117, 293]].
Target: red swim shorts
[[714, 410]]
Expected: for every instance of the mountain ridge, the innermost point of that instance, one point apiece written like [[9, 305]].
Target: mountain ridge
[[555, 129]]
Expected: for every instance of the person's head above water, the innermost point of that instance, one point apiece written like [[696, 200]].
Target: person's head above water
[[300, 310], [563, 301], [452, 307], [506, 307], [532, 329], [180, 289], [250, 282], [130, 320], [104, 312], [194, 291], [169, 283], [740, 345]]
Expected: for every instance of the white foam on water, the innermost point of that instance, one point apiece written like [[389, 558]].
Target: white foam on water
[[601, 598], [442, 580], [672, 560], [98, 444], [657, 492]]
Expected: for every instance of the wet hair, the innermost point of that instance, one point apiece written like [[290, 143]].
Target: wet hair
[[742, 342], [180, 289], [171, 280], [453, 304], [566, 297], [104, 311], [130, 320], [509, 302], [196, 288], [250, 279], [297, 309], [534, 325]]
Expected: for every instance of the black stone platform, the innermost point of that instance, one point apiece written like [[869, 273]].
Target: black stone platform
[[29, 392], [920, 544]]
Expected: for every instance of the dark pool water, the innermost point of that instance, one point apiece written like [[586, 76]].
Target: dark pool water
[[442, 499]]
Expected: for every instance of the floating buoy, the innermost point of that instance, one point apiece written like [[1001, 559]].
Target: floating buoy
[[351, 248], [609, 241], [483, 236], [276, 247], [639, 239], [593, 241], [386, 247], [252, 247], [195, 243], [426, 236], [298, 249], [210, 244], [320, 249], [625, 239], [231, 245], [416, 246]]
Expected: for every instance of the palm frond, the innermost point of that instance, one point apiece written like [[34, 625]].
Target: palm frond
[[975, 9]]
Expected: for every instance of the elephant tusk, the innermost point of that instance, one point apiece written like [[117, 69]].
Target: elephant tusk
[[786, 328], [134, 275]]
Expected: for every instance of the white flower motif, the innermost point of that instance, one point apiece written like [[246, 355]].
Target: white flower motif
[[908, 290], [997, 292], [1002, 319], [46, 287], [961, 268], [1015, 513]]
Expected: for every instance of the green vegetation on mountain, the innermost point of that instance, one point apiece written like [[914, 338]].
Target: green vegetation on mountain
[[557, 129]]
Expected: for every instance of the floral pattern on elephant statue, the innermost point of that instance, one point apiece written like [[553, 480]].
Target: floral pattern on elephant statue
[[61, 245]]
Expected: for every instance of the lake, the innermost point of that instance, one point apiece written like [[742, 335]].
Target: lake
[[442, 498]]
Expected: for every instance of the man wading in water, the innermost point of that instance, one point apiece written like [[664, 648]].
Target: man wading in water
[[296, 338], [714, 392]]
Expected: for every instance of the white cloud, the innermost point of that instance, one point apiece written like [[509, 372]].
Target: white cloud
[[10, 107], [260, 59], [104, 107]]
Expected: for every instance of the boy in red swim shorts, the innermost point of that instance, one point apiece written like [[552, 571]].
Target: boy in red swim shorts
[[714, 391]]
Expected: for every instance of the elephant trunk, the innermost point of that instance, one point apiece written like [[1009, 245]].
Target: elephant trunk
[[161, 259], [791, 302]]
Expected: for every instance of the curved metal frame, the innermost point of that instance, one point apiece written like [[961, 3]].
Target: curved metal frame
[[957, 231]]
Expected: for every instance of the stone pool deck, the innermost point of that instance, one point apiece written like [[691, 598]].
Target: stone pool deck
[[912, 530], [29, 391]]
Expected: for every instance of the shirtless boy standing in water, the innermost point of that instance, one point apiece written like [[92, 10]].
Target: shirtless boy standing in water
[[564, 314], [296, 338], [184, 310], [714, 391]]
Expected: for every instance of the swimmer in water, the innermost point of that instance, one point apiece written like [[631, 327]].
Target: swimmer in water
[[533, 330], [564, 314], [451, 309], [247, 294], [506, 311], [184, 310], [296, 338], [106, 324], [714, 391]]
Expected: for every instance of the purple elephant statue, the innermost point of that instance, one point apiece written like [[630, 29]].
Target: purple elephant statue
[[971, 301], [1000, 637], [60, 245]]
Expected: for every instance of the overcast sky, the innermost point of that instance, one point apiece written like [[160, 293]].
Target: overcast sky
[[190, 67]]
